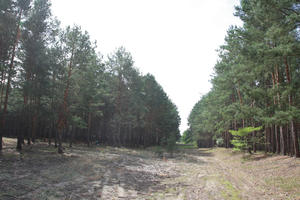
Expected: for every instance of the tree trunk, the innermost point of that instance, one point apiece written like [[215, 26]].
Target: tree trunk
[[2, 88], [241, 103], [89, 129], [293, 132], [19, 143], [267, 139], [249, 150], [55, 139], [254, 142], [34, 127], [60, 148], [228, 139], [62, 116], [277, 140], [295, 140], [71, 137], [288, 140], [1, 142], [50, 135], [28, 134], [282, 141], [254, 132], [20, 139], [292, 143], [273, 142]]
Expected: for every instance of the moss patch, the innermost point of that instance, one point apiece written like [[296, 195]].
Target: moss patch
[[229, 192]]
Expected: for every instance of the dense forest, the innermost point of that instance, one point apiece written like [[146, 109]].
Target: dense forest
[[55, 86], [77, 122], [254, 102]]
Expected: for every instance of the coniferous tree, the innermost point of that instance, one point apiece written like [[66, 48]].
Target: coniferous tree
[[253, 81], [61, 89]]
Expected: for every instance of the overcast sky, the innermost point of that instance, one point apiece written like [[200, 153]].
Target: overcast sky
[[175, 40]]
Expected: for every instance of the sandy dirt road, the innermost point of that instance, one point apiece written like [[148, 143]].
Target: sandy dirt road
[[119, 173]]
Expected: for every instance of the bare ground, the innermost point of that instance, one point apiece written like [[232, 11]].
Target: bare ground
[[38, 172]]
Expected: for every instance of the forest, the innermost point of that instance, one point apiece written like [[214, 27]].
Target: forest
[[55, 86], [77, 124], [254, 102]]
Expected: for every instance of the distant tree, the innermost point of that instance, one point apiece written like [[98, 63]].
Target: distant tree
[[187, 137]]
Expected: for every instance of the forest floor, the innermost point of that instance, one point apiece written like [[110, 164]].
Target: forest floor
[[38, 172]]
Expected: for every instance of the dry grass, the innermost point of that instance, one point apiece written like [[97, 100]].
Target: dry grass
[[38, 172], [273, 174]]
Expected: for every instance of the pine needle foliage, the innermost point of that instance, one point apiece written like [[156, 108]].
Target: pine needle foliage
[[241, 138]]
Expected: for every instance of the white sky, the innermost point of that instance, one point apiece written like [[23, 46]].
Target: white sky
[[175, 40]]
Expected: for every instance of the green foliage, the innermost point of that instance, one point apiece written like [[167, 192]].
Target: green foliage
[[171, 143], [187, 137], [59, 82], [78, 122], [242, 132], [220, 142], [256, 79], [241, 138]]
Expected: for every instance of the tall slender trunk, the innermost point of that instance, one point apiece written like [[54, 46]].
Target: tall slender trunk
[[50, 134], [295, 140], [229, 138], [273, 143], [2, 88], [89, 129], [267, 139], [288, 139], [225, 136], [293, 132], [282, 139], [119, 135], [20, 139], [26, 101], [36, 119], [241, 103], [254, 132], [53, 110], [11, 67], [55, 138], [71, 136], [277, 140], [62, 116], [273, 81], [273, 132], [34, 127], [20, 134], [254, 142], [60, 149]]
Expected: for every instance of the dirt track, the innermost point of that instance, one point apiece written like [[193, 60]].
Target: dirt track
[[119, 173]]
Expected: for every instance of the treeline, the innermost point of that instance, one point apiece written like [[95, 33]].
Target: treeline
[[55, 86], [256, 83]]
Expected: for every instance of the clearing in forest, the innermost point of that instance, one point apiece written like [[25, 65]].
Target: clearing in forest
[[38, 172]]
